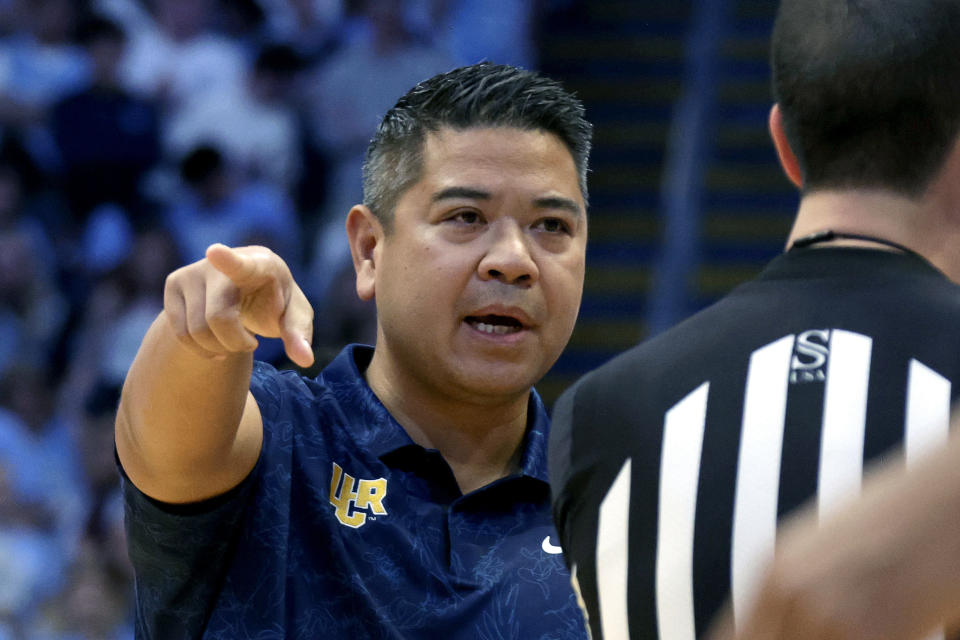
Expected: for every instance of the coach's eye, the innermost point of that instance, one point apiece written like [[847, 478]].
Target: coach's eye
[[554, 225], [467, 217]]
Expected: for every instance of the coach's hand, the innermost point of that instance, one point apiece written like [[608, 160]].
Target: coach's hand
[[217, 306]]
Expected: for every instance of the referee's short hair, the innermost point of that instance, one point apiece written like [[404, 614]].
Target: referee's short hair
[[480, 95], [869, 89]]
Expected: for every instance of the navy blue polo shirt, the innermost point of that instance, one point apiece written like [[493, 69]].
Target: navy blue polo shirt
[[348, 529]]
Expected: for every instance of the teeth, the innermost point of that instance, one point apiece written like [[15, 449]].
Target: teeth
[[498, 329]]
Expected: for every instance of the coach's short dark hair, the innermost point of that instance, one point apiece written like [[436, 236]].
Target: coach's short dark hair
[[869, 89], [480, 95]]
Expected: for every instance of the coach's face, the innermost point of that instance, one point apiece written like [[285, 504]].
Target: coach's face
[[479, 282]]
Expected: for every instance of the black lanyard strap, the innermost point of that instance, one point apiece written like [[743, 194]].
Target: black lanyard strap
[[827, 235]]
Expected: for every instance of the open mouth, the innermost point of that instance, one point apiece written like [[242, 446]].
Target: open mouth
[[495, 325]]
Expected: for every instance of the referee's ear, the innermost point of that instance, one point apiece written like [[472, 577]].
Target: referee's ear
[[788, 159]]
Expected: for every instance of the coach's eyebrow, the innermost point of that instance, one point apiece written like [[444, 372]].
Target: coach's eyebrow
[[472, 193], [557, 202], [466, 193]]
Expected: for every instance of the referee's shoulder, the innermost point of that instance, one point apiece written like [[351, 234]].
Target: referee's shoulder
[[627, 368], [638, 370]]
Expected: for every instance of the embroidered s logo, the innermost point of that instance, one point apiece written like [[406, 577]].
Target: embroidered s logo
[[354, 499]]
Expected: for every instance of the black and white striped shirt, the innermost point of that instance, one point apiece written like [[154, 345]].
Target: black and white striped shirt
[[672, 464]]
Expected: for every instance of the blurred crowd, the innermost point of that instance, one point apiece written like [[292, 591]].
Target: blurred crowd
[[134, 133]]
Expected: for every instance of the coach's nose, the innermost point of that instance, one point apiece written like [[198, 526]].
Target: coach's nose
[[508, 256]]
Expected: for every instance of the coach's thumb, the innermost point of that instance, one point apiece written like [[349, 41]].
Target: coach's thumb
[[297, 333]]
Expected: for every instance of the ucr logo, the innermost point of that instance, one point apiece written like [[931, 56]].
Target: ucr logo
[[355, 499]]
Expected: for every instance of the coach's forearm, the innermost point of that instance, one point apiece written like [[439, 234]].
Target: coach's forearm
[[178, 429]]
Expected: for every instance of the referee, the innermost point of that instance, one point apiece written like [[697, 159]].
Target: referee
[[672, 464]]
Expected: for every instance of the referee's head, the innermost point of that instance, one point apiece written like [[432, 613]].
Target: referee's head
[[480, 95], [869, 90]]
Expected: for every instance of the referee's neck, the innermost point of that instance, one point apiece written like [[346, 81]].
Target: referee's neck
[[928, 225], [873, 213]]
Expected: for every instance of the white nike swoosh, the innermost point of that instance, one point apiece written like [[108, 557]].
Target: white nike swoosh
[[550, 548]]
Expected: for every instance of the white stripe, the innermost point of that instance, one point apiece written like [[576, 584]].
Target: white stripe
[[613, 556], [758, 469], [679, 474], [928, 411], [578, 593], [928, 419], [844, 419]]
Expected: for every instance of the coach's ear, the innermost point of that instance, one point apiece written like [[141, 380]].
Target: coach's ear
[[365, 234], [788, 159]]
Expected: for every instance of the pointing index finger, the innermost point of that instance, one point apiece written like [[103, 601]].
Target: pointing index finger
[[232, 263]]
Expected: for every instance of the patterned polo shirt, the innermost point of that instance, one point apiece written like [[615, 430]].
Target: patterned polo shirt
[[346, 528]]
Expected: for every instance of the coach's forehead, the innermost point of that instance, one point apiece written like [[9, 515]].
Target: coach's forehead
[[500, 155]]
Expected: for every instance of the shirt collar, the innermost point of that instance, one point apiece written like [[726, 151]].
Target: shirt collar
[[833, 262], [381, 435]]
